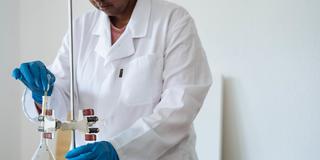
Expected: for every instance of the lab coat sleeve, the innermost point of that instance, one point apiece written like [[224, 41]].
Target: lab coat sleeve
[[186, 81], [59, 100]]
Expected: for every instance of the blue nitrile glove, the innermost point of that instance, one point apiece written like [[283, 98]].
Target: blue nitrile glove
[[98, 151], [36, 77]]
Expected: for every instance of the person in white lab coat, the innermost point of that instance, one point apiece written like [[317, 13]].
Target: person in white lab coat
[[141, 66]]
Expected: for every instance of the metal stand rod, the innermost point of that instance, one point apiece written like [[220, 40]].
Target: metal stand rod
[[72, 75]]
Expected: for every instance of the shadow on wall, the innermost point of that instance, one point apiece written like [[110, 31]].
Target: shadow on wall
[[232, 136]]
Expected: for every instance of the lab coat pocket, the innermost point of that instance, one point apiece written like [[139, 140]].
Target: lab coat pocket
[[142, 80]]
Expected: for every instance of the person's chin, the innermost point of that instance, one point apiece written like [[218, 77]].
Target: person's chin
[[109, 12]]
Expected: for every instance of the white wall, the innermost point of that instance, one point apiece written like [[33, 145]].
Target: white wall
[[268, 51], [9, 55]]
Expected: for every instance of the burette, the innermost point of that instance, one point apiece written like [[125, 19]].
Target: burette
[[72, 71]]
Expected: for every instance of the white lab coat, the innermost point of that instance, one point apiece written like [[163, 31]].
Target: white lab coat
[[147, 113]]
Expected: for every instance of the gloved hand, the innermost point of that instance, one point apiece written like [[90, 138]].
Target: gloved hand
[[36, 77], [98, 151]]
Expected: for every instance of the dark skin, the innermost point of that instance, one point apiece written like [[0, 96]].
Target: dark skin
[[119, 11]]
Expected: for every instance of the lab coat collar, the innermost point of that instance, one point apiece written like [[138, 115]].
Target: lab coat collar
[[124, 47], [102, 34], [139, 21]]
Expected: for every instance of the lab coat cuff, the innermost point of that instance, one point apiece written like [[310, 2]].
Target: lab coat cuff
[[116, 146]]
